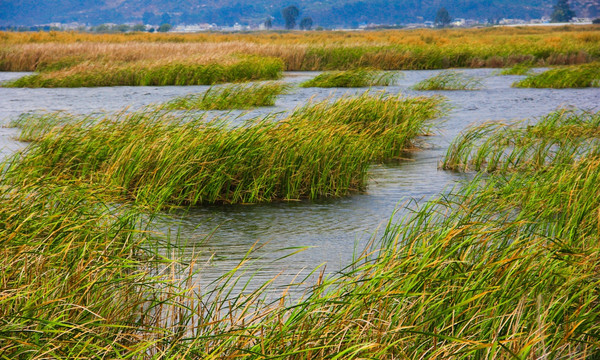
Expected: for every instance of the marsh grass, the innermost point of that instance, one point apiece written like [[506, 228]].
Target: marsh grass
[[91, 74], [230, 97], [81, 278], [161, 158], [34, 126], [518, 69], [72, 285], [314, 51], [352, 78], [562, 137], [449, 80], [579, 76], [504, 266]]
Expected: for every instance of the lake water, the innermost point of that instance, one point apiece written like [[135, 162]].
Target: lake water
[[328, 231]]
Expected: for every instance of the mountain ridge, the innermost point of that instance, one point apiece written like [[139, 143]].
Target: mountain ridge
[[227, 12]]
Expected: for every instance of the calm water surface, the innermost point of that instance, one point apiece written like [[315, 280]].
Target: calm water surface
[[328, 231]]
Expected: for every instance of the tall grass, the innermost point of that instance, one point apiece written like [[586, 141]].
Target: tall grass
[[519, 69], [157, 158], [386, 50], [448, 80], [580, 76], [562, 137], [72, 282], [351, 78], [81, 278], [504, 267], [229, 97], [154, 74]]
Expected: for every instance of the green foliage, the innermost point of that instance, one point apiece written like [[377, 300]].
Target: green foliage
[[268, 23], [448, 80], [494, 269], [111, 29], [352, 78], [290, 14], [230, 97], [442, 18], [154, 158], [306, 23], [519, 69], [89, 75], [562, 12], [138, 28], [577, 76], [560, 138], [165, 28], [61, 64], [503, 266], [73, 283]]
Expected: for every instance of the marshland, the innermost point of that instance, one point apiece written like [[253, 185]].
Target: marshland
[[180, 218]]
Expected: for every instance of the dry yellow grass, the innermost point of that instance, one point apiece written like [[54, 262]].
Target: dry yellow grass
[[385, 37], [32, 56], [317, 50]]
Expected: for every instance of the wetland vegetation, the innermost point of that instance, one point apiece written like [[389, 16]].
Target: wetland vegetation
[[576, 76], [449, 80], [505, 265], [351, 78], [156, 157], [154, 74], [77, 59], [518, 69], [230, 97]]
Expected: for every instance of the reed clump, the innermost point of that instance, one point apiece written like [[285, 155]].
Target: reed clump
[[580, 76], [562, 137], [160, 158], [90, 74], [82, 278], [351, 78], [503, 266], [448, 80], [230, 97], [518, 69], [72, 283]]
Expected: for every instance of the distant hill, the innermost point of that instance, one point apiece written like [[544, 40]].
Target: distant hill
[[325, 13]]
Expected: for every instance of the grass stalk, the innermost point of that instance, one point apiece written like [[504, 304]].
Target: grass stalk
[[579, 76], [351, 78], [518, 69], [448, 80], [229, 97], [560, 138]]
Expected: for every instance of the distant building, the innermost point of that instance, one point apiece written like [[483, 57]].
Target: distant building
[[458, 22], [512, 22], [192, 28]]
